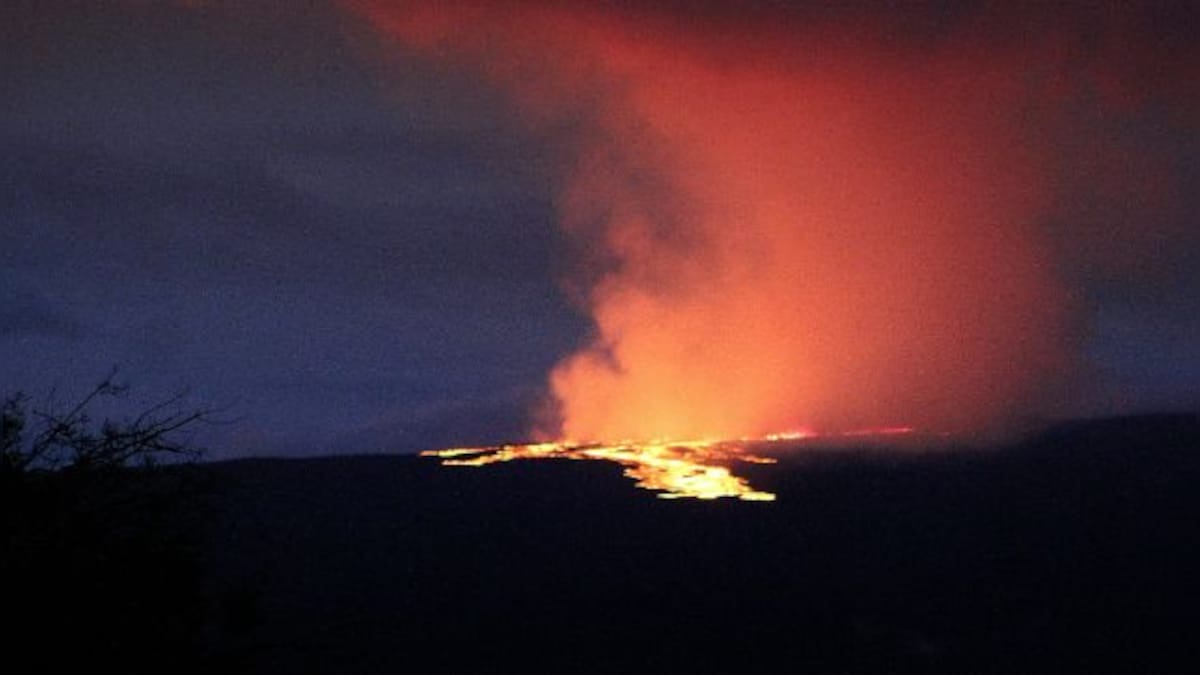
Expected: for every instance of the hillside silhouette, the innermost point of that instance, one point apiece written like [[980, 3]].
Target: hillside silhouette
[[1072, 551]]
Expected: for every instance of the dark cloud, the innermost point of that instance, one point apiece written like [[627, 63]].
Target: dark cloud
[[235, 200], [352, 246]]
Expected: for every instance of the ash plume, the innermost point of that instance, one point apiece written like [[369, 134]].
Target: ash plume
[[836, 218]]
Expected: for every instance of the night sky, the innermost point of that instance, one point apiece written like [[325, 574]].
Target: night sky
[[351, 248]]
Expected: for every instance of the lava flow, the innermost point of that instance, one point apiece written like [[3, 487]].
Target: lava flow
[[675, 469]]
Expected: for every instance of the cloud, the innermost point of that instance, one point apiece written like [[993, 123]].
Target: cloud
[[232, 199], [835, 216]]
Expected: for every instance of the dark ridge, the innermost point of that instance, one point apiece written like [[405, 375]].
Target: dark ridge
[[1074, 550], [1071, 551]]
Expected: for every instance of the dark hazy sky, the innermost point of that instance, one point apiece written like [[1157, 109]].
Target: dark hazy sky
[[350, 249]]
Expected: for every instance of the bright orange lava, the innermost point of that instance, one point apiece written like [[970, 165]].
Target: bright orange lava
[[674, 469]]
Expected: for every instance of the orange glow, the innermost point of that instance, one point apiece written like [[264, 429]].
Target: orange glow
[[785, 218], [697, 469], [675, 469], [775, 230]]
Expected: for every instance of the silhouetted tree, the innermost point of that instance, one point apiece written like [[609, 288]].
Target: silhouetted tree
[[100, 559], [69, 440]]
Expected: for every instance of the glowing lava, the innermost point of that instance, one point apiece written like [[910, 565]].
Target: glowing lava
[[674, 469], [697, 469]]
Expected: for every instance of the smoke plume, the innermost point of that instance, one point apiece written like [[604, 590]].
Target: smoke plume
[[824, 217]]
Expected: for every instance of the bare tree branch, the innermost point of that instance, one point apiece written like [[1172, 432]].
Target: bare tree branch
[[69, 439]]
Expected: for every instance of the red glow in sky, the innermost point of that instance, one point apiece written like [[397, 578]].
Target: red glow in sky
[[835, 220]]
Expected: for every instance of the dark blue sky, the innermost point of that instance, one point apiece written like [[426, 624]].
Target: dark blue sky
[[241, 204], [345, 247]]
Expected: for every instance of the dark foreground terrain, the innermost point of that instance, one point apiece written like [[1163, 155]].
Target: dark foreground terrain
[[1076, 551]]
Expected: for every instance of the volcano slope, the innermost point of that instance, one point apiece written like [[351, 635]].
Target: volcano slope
[[1074, 550]]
